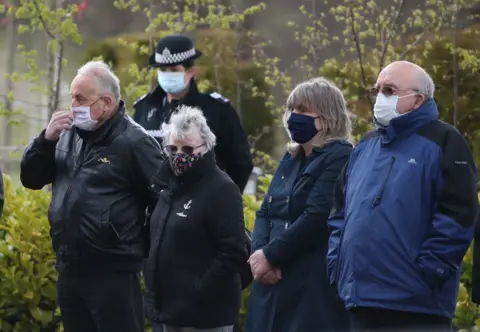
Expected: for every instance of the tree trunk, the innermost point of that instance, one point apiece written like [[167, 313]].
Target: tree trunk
[[151, 45], [55, 66], [455, 63], [11, 42], [239, 83]]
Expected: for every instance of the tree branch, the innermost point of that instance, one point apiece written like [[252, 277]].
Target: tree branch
[[183, 28], [42, 20], [359, 52], [412, 45], [386, 42]]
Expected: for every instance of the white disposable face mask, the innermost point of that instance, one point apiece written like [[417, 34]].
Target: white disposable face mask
[[385, 109], [82, 118]]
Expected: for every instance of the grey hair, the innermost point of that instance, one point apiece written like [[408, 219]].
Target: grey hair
[[183, 123], [107, 82], [323, 97], [424, 82]]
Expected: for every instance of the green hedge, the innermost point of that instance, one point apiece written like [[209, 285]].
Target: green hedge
[[28, 297], [218, 70]]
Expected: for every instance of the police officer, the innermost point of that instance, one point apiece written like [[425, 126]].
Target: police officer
[[174, 59]]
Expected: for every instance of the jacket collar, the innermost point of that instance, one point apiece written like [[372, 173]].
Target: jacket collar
[[109, 127], [158, 95], [409, 122]]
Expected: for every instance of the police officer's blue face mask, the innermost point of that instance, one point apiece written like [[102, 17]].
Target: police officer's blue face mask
[[172, 82]]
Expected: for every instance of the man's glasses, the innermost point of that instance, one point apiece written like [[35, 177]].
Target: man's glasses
[[172, 149], [388, 91]]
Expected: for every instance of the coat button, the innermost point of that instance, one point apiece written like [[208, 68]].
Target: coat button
[[288, 199], [152, 186], [283, 177], [270, 199], [161, 191]]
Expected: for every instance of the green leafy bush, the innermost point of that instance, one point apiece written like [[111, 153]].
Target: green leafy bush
[[28, 296]]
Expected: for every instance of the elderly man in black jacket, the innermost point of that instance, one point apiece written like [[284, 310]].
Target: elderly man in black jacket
[[99, 163], [174, 59]]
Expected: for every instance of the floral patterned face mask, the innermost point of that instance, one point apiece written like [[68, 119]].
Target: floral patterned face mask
[[181, 162]]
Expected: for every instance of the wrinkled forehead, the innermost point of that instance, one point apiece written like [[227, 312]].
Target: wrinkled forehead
[[82, 86], [396, 76]]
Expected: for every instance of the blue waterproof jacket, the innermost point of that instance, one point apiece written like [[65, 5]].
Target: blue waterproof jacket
[[403, 216]]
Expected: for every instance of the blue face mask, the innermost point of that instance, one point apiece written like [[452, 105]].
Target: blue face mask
[[172, 82], [302, 127]]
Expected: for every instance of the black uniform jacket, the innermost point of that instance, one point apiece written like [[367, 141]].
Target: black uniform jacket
[[232, 150], [198, 248], [100, 192]]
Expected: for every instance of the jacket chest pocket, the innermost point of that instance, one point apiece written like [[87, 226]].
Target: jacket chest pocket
[[104, 169]]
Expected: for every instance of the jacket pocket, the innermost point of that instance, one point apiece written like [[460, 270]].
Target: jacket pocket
[[108, 231]]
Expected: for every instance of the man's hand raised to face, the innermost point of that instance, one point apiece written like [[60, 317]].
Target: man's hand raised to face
[[60, 121]]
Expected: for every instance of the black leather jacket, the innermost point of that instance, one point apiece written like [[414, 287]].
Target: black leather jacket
[[99, 192]]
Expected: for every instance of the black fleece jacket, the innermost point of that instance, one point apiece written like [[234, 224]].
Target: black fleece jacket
[[197, 248]]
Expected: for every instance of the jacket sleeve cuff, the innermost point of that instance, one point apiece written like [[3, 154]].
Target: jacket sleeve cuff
[[43, 144], [272, 254]]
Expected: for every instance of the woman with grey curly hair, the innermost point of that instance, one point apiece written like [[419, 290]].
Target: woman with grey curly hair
[[197, 234], [291, 291]]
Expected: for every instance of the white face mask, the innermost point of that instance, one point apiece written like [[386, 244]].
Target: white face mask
[[82, 118], [385, 109]]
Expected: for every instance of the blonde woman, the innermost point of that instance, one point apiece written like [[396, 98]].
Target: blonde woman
[[291, 291]]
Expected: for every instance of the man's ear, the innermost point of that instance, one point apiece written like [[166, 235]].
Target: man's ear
[[108, 101], [419, 100]]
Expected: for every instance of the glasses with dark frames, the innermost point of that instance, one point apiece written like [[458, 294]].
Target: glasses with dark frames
[[188, 149], [388, 91]]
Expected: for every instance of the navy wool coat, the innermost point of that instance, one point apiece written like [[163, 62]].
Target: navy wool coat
[[291, 228]]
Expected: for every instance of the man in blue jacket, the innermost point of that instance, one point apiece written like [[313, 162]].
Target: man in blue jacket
[[404, 211]]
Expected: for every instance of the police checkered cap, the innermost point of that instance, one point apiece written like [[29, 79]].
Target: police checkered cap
[[166, 57]]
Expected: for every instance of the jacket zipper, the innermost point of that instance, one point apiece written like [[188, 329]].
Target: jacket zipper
[[376, 202], [378, 198]]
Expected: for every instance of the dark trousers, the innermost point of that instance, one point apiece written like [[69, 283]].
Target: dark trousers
[[373, 319], [107, 302]]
